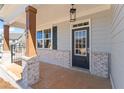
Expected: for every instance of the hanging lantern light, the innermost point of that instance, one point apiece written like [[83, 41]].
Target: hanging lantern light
[[72, 13]]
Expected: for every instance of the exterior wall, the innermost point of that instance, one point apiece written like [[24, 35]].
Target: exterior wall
[[100, 40], [61, 58], [64, 37], [99, 63], [117, 63], [100, 26]]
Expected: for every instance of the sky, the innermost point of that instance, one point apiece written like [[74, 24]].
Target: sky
[[12, 29]]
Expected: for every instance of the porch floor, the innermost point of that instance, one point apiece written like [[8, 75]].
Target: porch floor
[[53, 76]]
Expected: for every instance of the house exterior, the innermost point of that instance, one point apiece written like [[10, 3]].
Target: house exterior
[[59, 47], [93, 43], [61, 53], [12, 39], [117, 46]]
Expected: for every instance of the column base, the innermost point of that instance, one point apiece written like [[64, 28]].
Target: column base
[[30, 66]]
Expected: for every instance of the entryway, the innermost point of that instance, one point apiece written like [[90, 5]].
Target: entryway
[[80, 45]]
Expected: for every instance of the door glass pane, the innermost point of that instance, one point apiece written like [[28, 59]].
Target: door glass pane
[[77, 45], [80, 42], [77, 51]]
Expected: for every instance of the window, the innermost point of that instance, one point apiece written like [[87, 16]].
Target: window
[[40, 39], [80, 42], [82, 24], [44, 39]]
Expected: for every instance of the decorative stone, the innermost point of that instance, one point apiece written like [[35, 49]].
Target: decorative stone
[[99, 64], [30, 74], [57, 57]]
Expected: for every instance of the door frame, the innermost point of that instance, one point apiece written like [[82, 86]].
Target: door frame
[[90, 45]]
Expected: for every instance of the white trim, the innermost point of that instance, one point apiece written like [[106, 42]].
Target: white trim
[[70, 45], [90, 45], [88, 20], [51, 37], [112, 82]]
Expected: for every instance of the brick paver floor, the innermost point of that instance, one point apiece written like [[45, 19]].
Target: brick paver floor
[[52, 76]]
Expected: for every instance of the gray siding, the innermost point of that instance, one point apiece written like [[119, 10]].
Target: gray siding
[[64, 37], [117, 64], [100, 26], [100, 38]]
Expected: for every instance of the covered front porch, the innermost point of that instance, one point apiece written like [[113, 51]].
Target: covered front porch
[[57, 77], [43, 55]]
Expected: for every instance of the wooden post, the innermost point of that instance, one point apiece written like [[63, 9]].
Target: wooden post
[[31, 31], [6, 46]]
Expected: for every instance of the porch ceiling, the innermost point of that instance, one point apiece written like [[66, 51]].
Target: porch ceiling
[[7, 9], [48, 13], [9, 12]]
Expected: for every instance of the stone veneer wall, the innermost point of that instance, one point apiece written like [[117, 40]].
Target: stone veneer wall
[[99, 65], [30, 74], [58, 57]]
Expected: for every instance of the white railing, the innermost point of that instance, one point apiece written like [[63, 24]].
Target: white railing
[[18, 48]]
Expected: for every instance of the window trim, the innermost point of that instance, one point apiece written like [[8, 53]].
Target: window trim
[[45, 39]]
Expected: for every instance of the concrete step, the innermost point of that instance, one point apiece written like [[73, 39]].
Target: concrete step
[[12, 78], [13, 70]]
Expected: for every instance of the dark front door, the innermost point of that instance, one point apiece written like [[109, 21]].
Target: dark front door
[[80, 47]]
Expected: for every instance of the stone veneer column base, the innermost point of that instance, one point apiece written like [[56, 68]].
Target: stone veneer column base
[[6, 57], [30, 74]]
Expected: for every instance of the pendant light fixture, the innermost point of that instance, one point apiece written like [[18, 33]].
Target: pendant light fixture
[[72, 13]]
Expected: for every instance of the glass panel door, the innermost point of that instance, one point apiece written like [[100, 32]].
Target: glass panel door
[[80, 43]]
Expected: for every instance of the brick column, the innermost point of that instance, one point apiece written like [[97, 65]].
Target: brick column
[[6, 38], [31, 31]]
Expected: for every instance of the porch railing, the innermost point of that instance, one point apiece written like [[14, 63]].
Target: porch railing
[[18, 48]]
